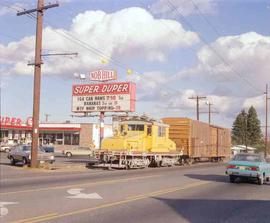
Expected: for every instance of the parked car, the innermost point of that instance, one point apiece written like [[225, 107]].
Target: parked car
[[251, 166], [22, 153], [48, 149], [78, 151], [6, 148]]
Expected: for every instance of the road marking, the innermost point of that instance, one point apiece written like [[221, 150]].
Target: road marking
[[125, 201], [4, 210], [34, 218], [79, 185], [76, 193], [165, 191]]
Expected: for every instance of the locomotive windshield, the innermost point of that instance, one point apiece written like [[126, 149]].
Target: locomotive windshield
[[135, 127]]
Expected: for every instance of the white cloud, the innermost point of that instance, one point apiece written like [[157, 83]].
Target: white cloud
[[173, 7], [247, 53], [240, 62], [129, 34], [257, 102]]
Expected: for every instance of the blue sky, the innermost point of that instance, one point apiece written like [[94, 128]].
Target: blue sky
[[176, 49]]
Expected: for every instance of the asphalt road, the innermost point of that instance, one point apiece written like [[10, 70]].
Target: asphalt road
[[200, 193]]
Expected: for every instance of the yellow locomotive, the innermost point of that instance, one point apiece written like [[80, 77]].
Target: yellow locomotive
[[139, 141]]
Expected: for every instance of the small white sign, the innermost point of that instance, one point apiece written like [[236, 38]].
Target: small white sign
[[103, 75], [76, 193]]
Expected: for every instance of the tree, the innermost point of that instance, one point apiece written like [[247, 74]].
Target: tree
[[246, 129], [239, 129], [254, 133]]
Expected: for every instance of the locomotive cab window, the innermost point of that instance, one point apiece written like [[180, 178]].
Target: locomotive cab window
[[161, 131], [149, 130], [135, 127]]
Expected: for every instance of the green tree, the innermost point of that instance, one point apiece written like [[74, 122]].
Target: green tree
[[239, 129], [254, 133]]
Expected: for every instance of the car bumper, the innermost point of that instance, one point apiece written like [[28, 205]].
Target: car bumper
[[243, 173]]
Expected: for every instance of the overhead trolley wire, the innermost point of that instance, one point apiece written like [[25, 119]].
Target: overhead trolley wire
[[172, 6], [215, 30]]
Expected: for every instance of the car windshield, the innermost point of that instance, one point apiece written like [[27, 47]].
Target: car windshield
[[26, 148], [250, 158]]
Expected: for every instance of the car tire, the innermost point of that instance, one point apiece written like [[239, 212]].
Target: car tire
[[232, 178], [7, 150], [12, 161], [68, 154], [24, 161]]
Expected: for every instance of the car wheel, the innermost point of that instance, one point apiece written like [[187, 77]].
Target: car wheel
[[68, 155], [7, 150], [24, 161], [12, 161], [232, 178]]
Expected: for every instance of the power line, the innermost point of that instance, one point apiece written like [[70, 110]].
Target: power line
[[210, 111], [211, 48], [197, 98], [215, 30], [37, 76]]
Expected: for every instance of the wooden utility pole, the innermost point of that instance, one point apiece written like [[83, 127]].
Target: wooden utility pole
[[209, 112], [37, 75], [266, 121], [198, 98], [47, 117]]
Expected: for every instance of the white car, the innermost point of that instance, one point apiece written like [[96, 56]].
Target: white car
[[6, 148], [78, 151]]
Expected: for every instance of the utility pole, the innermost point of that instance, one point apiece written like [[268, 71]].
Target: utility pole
[[47, 117], [209, 112], [198, 98], [266, 120], [37, 75]]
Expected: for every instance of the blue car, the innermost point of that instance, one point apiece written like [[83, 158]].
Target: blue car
[[252, 166]]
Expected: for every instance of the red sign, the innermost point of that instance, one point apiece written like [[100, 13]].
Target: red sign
[[104, 97], [103, 75], [104, 89], [11, 121]]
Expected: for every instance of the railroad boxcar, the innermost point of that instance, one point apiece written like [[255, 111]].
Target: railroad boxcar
[[198, 140]]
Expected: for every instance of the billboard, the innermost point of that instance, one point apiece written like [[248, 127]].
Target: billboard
[[105, 97], [103, 75]]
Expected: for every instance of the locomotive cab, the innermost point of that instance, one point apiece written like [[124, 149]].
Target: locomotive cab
[[140, 135]]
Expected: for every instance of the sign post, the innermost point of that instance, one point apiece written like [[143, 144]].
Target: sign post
[[101, 128]]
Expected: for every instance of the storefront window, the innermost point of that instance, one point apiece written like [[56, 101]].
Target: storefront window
[[76, 139], [59, 139], [67, 139]]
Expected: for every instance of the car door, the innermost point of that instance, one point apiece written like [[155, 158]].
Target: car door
[[85, 151], [74, 151], [18, 153]]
